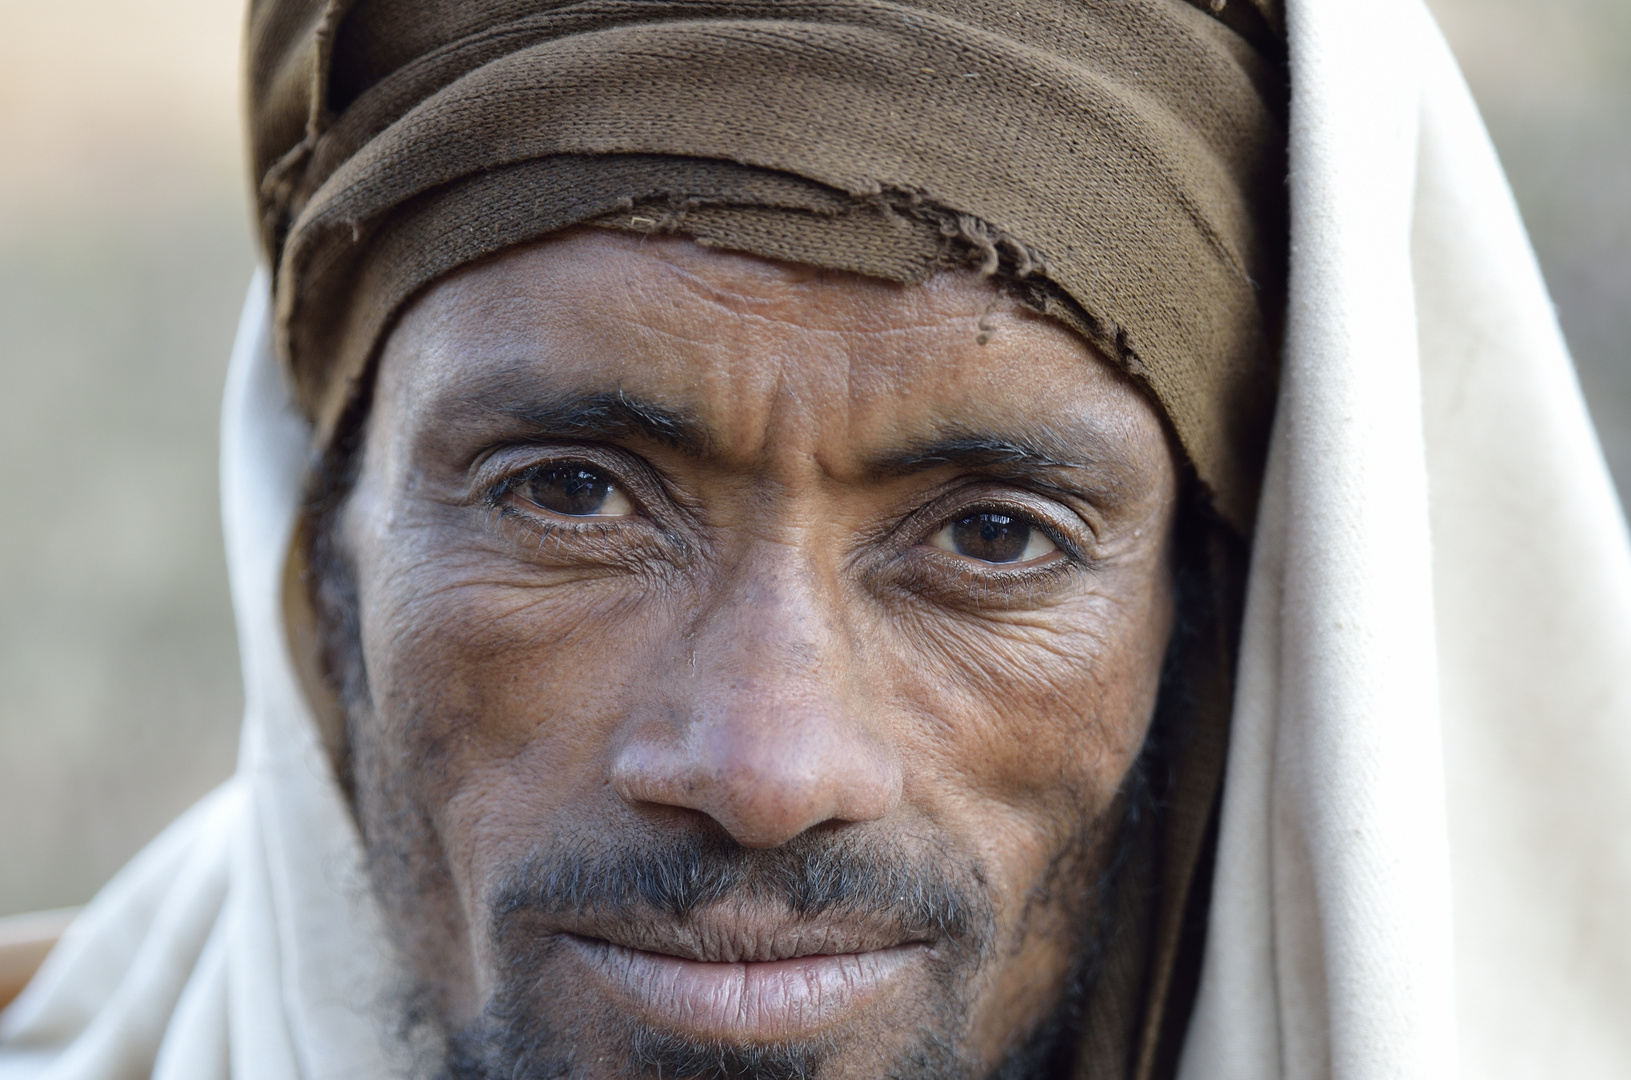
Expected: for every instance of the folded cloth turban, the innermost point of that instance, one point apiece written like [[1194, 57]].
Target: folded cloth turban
[[1121, 160]]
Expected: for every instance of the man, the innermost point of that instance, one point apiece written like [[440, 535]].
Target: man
[[731, 655], [805, 521], [740, 568]]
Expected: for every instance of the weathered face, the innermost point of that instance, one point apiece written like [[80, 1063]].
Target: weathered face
[[753, 655]]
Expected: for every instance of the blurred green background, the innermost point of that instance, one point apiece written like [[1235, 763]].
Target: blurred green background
[[124, 254]]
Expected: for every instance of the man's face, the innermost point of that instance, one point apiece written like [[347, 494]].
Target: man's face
[[752, 656]]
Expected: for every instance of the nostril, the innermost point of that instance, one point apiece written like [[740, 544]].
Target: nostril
[[644, 772], [762, 786]]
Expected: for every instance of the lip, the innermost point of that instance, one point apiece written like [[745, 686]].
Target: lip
[[752, 999]]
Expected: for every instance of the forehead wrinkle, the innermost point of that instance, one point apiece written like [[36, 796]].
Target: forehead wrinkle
[[770, 392], [799, 288], [767, 388], [786, 280], [875, 343], [857, 385], [795, 313]]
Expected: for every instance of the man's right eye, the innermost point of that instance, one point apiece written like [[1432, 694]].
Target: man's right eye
[[574, 491]]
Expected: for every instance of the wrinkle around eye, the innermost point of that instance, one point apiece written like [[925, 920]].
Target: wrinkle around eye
[[566, 547]]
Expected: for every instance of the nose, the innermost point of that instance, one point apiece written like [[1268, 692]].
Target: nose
[[762, 723]]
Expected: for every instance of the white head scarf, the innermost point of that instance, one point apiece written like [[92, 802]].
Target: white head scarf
[[1425, 864]]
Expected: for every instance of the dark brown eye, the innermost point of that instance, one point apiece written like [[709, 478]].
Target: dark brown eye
[[993, 538], [574, 491]]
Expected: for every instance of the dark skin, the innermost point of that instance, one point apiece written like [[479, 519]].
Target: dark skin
[[656, 545]]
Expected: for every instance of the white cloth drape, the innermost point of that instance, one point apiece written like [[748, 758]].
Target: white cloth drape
[[1425, 860], [1425, 857], [243, 942]]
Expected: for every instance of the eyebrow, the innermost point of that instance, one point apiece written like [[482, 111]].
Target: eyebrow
[[1038, 449], [604, 415], [1026, 450]]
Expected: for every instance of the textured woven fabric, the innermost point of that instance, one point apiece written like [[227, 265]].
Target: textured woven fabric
[[1122, 160]]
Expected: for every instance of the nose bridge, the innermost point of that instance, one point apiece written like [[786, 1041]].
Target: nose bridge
[[773, 617], [764, 729]]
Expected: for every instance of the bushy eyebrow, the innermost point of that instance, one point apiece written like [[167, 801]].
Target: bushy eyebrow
[[604, 416], [1035, 449]]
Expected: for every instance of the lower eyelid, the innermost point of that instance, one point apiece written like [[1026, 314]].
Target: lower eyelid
[[553, 519]]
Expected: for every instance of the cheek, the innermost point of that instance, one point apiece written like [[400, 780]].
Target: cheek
[[1030, 723], [1021, 706], [502, 698], [1021, 729]]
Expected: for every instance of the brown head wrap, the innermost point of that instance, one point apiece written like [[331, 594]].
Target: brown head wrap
[[1122, 155], [1118, 161]]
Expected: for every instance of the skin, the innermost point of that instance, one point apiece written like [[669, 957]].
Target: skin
[[770, 632]]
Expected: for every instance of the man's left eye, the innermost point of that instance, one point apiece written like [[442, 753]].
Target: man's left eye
[[994, 538], [574, 491]]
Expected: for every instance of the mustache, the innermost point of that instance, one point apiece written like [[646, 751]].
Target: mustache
[[921, 891]]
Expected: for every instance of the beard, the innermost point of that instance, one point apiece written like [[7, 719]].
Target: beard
[[918, 895], [921, 894]]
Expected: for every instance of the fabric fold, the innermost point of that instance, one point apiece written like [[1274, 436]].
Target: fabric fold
[[1437, 606]]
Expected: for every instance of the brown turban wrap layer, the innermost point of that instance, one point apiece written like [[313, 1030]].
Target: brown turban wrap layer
[[1119, 163], [1121, 156]]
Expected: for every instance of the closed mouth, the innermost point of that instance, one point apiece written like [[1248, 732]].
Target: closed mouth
[[759, 1000], [733, 973]]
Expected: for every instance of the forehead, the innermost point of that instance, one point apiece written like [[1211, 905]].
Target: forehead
[[756, 356]]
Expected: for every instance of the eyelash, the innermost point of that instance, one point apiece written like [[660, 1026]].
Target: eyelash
[[994, 580], [992, 576], [498, 489], [1066, 546], [541, 524]]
